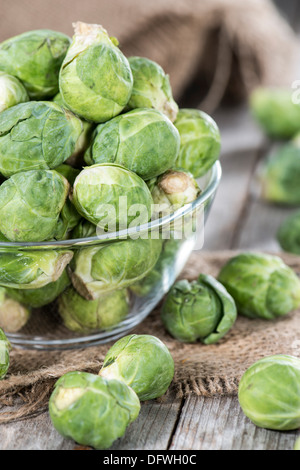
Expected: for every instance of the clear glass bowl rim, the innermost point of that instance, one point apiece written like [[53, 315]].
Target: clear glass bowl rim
[[216, 173]]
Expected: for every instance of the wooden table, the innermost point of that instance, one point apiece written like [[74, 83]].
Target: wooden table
[[238, 220]]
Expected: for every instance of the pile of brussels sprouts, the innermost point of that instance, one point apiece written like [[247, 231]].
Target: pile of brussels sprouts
[[81, 128], [251, 284], [255, 285], [95, 410], [258, 286]]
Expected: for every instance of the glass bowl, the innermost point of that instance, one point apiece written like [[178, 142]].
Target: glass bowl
[[178, 234]]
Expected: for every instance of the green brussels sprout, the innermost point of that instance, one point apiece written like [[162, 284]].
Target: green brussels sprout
[[84, 229], [279, 176], [37, 298], [58, 99], [269, 393], [151, 87], [12, 92], [101, 269], [198, 310], [13, 315], [84, 140], [97, 194], [68, 220], [200, 141], [161, 272], [172, 190], [68, 172], [95, 79], [143, 362], [275, 111], [262, 285], [288, 234], [79, 314], [4, 354], [3, 238], [297, 444], [30, 205], [32, 269], [35, 58], [92, 410], [143, 140], [38, 135], [69, 217]]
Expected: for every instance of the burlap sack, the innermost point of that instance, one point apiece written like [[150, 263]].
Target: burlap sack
[[201, 370], [211, 47]]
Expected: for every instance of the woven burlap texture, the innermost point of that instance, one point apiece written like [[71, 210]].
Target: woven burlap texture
[[218, 45], [201, 370]]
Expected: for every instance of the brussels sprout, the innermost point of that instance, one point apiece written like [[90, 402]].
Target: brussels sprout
[[13, 315], [79, 314], [68, 172], [99, 191], [274, 110], [69, 217], [58, 99], [92, 410], [162, 271], [68, 220], [95, 79], [263, 286], [288, 234], [101, 269], [32, 269], [42, 296], [76, 159], [200, 141], [31, 203], [36, 135], [84, 229], [143, 140], [279, 176], [35, 58], [143, 362], [151, 87], [12, 92], [198, 310], [297, 444], [269, 393], [3, 238], [4, 354], [172, 190]]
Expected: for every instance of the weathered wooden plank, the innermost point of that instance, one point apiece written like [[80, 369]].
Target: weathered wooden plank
[[35, 433], [260, 221], [154, 427], [239, 130], [230, 200], [261, 225], [242, 141], [152, 430], [219, 424]]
